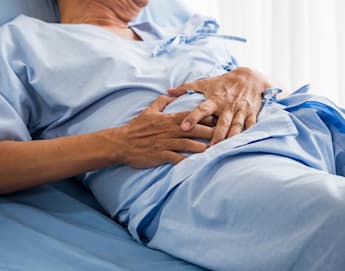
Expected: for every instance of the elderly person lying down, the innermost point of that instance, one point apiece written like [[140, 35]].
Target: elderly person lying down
[[80, 99]]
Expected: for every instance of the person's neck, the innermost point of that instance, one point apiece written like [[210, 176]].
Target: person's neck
[[99, 14]]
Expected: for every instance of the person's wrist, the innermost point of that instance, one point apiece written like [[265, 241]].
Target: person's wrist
[[111, 141]]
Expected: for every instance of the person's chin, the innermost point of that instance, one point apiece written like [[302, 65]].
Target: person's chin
[[141, 3]]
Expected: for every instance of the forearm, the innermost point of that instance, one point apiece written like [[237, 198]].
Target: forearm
[[150, 139], [25, 164]]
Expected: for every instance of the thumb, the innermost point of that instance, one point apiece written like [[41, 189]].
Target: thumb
[[159, 104], [181, 89]]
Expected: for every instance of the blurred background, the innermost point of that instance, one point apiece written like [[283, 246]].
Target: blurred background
[[293, 42]]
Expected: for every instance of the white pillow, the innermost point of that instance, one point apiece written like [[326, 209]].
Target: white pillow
[[45, 10], [165, 13]]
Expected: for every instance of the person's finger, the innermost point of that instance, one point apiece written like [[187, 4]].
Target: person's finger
[[250, 121], [159, 104], [199, 131], [177, 91], [203, 110], [238, 123], [210, 121], [223, 126], [170, 157], [185, 145], [178, 117], [181, 89]]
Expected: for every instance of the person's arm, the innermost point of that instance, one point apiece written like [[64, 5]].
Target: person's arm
[[25, 164], [235, 98], [151, 139]]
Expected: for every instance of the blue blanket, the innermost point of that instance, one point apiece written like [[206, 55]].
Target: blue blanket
[[61, 227]]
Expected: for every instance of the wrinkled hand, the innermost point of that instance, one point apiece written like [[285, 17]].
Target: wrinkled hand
[[155, 138], [235, 98]]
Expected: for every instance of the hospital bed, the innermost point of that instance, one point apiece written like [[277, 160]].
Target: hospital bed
[[60, 226]]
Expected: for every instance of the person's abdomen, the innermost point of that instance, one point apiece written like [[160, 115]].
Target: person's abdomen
[[116, 188]]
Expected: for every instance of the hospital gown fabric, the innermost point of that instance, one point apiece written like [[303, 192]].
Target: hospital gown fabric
[[271, 198]]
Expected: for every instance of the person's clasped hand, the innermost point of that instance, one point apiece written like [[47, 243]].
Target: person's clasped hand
[[234, 98], [154, 138]]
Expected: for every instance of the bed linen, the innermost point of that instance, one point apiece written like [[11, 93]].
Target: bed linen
[[61, 227]]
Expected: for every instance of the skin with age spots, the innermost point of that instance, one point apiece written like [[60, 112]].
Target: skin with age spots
[[235, 98]]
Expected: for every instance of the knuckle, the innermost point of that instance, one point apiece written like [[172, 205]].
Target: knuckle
[[245, 102], [242, 78], [219, 133], [173, 117], [235, 98], [184, 143], [158, 122], [242, 105], [161, 98], [192, 119], [204, 107], [246, 107], [251, 119], [222, 93], [250, 122], [212, 102], [225, 122], [235, 104], [245, 71], [237, 125]]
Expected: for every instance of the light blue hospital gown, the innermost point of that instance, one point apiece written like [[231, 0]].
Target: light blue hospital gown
[[270, 198]]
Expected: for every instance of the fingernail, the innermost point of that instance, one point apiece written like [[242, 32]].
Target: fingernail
[[187, 125]]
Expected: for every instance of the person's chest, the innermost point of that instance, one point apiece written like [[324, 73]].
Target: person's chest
[[82, 79]]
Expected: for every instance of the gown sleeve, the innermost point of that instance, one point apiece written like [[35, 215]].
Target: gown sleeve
[[14, 100]]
